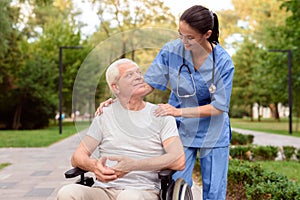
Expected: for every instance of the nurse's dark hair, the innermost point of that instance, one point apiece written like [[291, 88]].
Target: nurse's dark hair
[[202, 19]]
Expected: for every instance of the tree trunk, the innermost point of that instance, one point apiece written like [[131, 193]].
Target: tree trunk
[[123, 47], [277, 112], [17, 116], [132, 55], [258, 113], [272, 108], [251, 112]]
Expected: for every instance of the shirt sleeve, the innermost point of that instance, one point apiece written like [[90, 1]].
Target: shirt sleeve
[[169, 128], [95, 129], [223, 81], [158, 73]]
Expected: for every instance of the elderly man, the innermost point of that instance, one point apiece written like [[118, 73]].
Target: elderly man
[[133, 143]]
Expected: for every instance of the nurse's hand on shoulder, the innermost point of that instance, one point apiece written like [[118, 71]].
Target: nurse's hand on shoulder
[[167, 109], [106, 103]]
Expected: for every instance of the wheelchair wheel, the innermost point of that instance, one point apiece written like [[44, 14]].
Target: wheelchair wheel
[[182, 190], [169, 192]]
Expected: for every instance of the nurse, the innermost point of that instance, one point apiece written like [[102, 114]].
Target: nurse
[[199, 73]]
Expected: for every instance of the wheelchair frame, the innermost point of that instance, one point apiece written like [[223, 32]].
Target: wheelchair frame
[[170, 189]]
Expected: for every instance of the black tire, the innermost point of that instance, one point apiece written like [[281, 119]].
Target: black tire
[[182, 191], [169, 194], [186, 192]]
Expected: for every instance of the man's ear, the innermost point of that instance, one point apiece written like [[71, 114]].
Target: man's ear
[[115, 88]]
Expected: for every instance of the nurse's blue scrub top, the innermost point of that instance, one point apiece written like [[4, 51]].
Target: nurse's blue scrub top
[[200, 132]]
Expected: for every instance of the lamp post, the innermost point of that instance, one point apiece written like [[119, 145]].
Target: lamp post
[[289, 52], [61, 81]]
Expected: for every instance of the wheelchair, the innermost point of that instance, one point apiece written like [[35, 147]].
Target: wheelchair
[[170, 189]]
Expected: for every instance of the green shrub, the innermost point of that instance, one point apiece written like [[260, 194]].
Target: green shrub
[[250, 139], [241, 152], [298, 154], [240, 173], [265, 152], [272, 186], [288, 151], [248, 180], [241, 139], [254, 152]]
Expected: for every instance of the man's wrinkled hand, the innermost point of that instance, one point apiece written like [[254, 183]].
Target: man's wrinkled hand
[[104, 173], [125, 164]]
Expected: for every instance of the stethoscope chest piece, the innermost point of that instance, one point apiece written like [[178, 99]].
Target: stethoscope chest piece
[[212, 88]]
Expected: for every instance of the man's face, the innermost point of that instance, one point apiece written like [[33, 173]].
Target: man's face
[[131, 81]]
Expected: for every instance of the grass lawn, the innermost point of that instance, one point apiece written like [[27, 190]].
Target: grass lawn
[[38, 138], [2, 165], [267, 125], [290, 169]]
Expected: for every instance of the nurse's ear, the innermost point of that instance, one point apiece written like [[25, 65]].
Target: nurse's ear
[[208, 34]]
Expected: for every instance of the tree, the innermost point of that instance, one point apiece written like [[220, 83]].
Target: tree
[[292, 36], [10, 61], [5, 24], [31, 97], [117, 18], [247, 78], [263, 23]]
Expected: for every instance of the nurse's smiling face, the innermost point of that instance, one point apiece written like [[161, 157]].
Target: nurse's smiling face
[[190, 37]]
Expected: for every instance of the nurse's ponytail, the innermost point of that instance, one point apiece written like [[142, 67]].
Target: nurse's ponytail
[[214, 37], [202, 20]]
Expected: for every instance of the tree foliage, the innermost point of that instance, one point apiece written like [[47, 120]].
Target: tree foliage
[[33, 30], [292, 36], [121, 16], [31, 79], [265, 24]]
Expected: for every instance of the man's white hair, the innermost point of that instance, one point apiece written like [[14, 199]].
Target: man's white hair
[[112, 72]]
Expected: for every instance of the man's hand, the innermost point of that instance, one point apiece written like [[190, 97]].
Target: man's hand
[[106, 103], [124, 165], [104, 173]]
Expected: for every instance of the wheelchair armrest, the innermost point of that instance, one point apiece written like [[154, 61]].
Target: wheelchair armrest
[[166, 174], [87, 181], [74, 172]]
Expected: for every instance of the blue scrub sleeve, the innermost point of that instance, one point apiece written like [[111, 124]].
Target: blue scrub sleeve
[[158, 73], [221, 98]]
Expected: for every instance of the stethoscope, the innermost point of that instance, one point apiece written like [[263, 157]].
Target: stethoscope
[[212, 88]]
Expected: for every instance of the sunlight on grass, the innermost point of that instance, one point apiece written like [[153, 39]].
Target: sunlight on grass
[[290, 169], [266, 125], [38, 138]]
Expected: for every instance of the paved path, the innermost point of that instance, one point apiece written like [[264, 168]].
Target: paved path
[[261, 138], [38, 173]]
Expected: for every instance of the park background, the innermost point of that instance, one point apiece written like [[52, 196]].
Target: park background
[[34, 31]]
